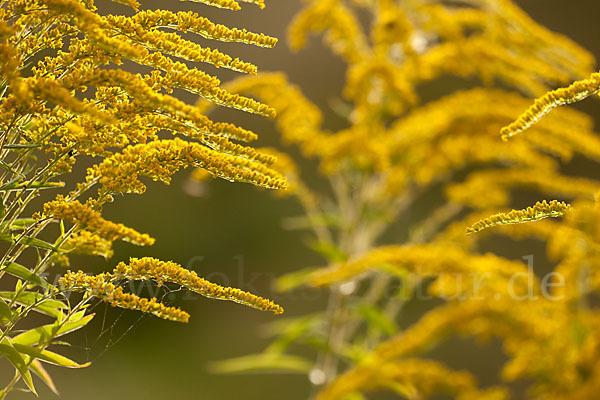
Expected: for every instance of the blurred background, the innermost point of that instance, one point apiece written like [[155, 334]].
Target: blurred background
[[233, 234]]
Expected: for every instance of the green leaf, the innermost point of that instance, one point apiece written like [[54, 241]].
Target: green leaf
[[8, 168], [48, 356], [354, 396], [294, 279], [11, 182], [51, 331], [353, 353], [5, 313], [21, 272], [49, 307], [28, 240], [8, 350], [14, 185], [290, 331], [22, 146], [18, 224], [376, 318], [41, 372], [328, 250], [35, 242], [265, 361]]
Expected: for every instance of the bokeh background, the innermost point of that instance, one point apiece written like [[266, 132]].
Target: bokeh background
[[234, 234]]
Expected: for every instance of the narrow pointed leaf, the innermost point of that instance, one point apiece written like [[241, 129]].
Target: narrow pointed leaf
[[30, 241], [22, 146], [35, 242], [265, 361], [13, 185], [8, 350], [329, 251], [45, 332], [18, 224], [295, 279], [7, 168], [50, 307], [5, 313], [376, 318], [21, 272], [48, 356], [37, 368]]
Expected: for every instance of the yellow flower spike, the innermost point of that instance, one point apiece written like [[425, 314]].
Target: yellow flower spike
[[173, 44], [88, 243], [542, 106], [94, 27], [538, 211], [52, 91], [167, 271], [101, 286], [190, 22], [259, 3], [418, 378], [85, 216], [454, 233], [563, 52], [228, 147], [423, 260], [229, 4], [178, 76], [159, 160], [344, 32], [297, 118], [130, 3], [496, 184], [285, 165], [597, 199]]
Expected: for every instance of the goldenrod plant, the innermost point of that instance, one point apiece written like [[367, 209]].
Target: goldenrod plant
[[77, 84], [435, 169]]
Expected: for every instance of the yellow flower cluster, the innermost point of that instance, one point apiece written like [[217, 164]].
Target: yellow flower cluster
[[462, 127], [417, 42], [576, 92], [542, 336], [84, 216], [128, 108], [159, 160], [87, 21], [448, 262], [167, 271], [88, 243], [538, 211], [103, 286], [425, 168], [28, 90], [535, 329], [344, 33], [75, 81], [496, 184], [100, 286], [191, 22], [230, 4], [411, 377], [297, 118], [172, 44]]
